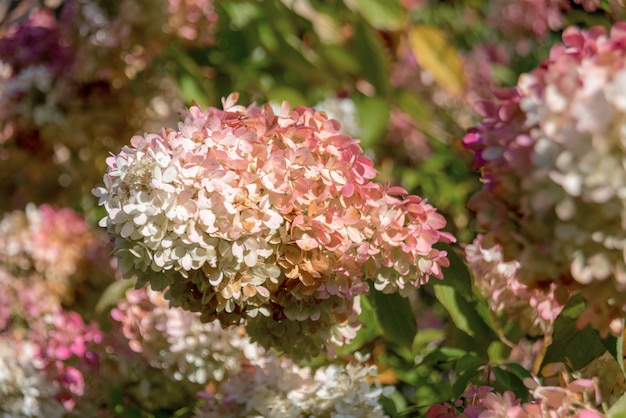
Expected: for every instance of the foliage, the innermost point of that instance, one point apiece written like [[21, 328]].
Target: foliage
[[496, 331]]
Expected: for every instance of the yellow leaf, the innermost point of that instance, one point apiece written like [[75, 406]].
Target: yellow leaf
[[435, 54]]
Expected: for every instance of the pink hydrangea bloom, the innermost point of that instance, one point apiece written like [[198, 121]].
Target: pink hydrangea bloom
[[193, 20], [579, 398], [66, 348], [34, 42], [498, 281], [521, 20], [118, 41], [57, 245], [60, 73], [175, 340], [550, 156], [472, 404], [63, 347], [272, 219]]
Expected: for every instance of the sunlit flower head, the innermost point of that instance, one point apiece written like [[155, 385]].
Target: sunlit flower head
[[249, 215], [550, 152]]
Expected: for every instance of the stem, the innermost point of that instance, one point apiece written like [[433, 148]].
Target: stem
[[547, 340]]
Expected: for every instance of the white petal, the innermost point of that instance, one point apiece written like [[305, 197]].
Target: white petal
[[169, 174]]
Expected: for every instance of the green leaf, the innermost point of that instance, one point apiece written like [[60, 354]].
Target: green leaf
[[369, 51], [426, 337], [394, 403], [112, 294], [414, 106], [381, 14], [510, 377], [370, 329], [462, 381], [193, 86], [373, 118], [463, 313], [466, 308], [267, 37], [576, 348], [470, 361], [518, 370], [396, 318], [340, 59], [467, 369], [240, 14], [457, 275], [283, 93], [618, 409], [615, 346], [443, 355]]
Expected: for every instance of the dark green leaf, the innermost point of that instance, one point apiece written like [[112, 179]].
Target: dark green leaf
[[510, 377], [503, 378], [373, 118], [463, 313], [470, 361], [615, 346], [372, 58], [457, 275], [370, 329], [518, 370], [396, 318], [576, 348], [112, 294], [443, 355]]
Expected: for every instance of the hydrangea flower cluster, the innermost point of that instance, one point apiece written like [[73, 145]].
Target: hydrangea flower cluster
[[497, 280], [57, 245], [403, 132], [175, 340], [527, 19], [66, 348], [118, 41], [27, 73], [521, 21], [60, 345], [276, 387], [472, 403], [264, 218], [192, 20], [550, 153], [579, 398], [174, 352], [60, 73], [24, 390], [343, 109]]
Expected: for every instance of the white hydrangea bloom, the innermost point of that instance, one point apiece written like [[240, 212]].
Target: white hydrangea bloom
[[24, 391], [278, 388]]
